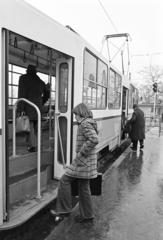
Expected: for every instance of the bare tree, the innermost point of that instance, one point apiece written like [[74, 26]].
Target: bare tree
[[152, 74]]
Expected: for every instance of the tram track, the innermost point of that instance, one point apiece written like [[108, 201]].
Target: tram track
[[41, 225]]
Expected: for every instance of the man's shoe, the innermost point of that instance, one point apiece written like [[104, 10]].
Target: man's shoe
[[142, 146], [133, 149]]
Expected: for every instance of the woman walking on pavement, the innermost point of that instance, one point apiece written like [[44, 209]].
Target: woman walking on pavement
[[82, 168]]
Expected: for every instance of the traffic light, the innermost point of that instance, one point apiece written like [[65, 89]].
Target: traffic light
[[155, 87]]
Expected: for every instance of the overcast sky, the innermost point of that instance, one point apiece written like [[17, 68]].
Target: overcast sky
[[93, 19]]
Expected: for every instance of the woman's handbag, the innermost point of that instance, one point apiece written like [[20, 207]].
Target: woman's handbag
[[95, 186], [22, 123]]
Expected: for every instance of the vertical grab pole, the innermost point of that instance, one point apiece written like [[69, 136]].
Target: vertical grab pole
[[60, 139], [39, 155], [38, 141], [14, 131]]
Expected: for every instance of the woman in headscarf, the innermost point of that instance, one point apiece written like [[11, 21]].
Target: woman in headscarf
[[82, 168]]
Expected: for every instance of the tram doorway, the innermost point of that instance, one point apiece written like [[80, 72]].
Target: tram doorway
[[124, 110], [21, 168]]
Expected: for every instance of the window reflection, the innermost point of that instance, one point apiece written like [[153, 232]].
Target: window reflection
[[114, 95], [95, 82], [133, 96], [63, 87]]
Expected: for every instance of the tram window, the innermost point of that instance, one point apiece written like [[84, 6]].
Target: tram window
[[19, 70], [133, 96], [53, 84], [102, 73], [25, 52], [101, 97], [14, 74], [44, 77], [63, 87], [114, 96], [95, 82], [13, 91], [102, 88], [14, 78], [89, 88], [12, 101], [89, 94]]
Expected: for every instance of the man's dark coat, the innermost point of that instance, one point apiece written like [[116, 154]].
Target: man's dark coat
[[138, 125], [33, 89]]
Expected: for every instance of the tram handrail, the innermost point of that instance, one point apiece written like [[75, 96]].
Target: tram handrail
[[60, 139], [38, 140]]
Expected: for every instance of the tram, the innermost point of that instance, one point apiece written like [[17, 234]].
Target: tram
[[76, 73]]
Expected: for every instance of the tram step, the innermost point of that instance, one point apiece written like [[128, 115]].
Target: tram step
[[24, 163], [24, 186]]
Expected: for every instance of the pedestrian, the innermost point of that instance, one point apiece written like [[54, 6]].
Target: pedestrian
[[32, 88], [83, 168], [137, 133]]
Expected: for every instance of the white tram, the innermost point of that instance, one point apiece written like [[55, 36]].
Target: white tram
[[76, 73]]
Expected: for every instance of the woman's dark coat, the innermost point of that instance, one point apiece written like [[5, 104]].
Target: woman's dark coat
[[33, 89], [138, 125]]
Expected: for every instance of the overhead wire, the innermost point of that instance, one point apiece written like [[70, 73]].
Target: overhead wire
[[116, 30], [108, 17], [112, 23]]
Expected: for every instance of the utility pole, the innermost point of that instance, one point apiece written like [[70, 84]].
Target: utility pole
[[155, 97], [154, 107]]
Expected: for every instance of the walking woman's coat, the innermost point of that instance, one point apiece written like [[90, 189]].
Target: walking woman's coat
[[85, 164]]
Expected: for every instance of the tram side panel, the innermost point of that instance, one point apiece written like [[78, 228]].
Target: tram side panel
[[109, 133]]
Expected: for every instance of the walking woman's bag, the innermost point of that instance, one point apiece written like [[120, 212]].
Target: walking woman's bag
[[95, 186]]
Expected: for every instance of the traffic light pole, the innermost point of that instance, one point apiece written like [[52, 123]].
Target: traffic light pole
[[155, 97], [154, 107]]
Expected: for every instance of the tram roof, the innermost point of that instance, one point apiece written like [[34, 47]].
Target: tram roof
[[22, 18]]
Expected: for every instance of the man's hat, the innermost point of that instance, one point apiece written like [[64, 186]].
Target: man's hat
[[135, 106]]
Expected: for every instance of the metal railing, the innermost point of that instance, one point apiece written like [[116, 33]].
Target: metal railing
[[38, 140], [152, 122]]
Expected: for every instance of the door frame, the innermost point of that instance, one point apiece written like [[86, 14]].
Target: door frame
[[59, 168]]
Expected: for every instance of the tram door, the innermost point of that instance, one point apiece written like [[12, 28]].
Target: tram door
[[124, 110], [63, 114]]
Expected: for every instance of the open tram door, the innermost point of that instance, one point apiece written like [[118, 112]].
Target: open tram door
[[124, 109], [63, 116]]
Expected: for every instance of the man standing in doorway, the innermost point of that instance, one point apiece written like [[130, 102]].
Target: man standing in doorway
[[35, 90], [138, 127]]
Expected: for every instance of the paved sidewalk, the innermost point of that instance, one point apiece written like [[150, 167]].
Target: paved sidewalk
[[131, 206]]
